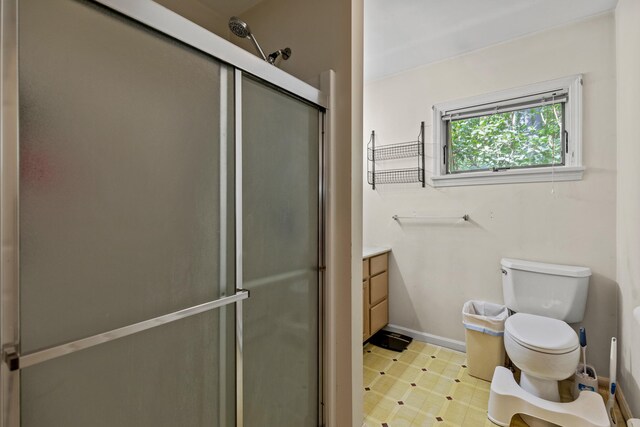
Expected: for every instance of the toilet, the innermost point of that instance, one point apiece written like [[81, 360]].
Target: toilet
[[544, 298], [537, 338]]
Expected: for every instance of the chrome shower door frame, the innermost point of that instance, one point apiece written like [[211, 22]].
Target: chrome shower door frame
[[166, 22], [9, 213]]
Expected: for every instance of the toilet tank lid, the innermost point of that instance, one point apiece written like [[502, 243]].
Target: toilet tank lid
[[540, 267]]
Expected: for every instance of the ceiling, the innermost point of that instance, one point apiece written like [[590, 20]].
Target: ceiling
[[403, 34]]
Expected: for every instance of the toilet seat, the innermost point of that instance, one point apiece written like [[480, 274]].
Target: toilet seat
[[541, 334]]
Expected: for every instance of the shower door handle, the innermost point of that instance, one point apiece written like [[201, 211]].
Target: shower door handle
[[15, 361]]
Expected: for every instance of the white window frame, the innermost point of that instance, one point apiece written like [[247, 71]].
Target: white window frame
[[572, 170]]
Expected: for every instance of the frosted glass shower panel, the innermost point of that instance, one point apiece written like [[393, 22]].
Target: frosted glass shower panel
[[120, 160], [280, 257], [126, 214], [165, 377]]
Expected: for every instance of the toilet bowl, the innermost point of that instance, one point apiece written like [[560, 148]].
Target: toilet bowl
[[545, 350]]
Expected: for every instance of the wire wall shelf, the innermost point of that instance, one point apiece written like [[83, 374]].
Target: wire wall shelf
[[401, 150], [396, 176]]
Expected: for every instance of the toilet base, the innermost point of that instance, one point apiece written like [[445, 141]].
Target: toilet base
[[544, 389], [507, 399]]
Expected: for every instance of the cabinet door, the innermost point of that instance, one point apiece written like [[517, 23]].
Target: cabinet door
[[365, 311], [378, 264], [379, 288], [379, 316]]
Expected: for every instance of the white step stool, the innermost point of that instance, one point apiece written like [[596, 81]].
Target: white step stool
[[507, 399]]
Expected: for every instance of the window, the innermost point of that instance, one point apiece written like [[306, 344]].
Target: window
[[528, 134]]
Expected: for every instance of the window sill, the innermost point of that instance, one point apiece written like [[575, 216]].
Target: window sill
[[510, 176]]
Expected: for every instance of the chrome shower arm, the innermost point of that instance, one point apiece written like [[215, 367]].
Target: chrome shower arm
[[257, 46]]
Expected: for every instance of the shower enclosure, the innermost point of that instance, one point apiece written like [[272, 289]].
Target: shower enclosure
[[161, 224]]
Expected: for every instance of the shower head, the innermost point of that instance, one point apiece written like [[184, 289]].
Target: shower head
[[241, 29]]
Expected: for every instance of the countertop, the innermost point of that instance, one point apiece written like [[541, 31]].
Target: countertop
[[369, 251]]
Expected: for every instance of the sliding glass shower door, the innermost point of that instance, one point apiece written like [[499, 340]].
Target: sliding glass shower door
[[126, 196], [281, 256], [161, 225]]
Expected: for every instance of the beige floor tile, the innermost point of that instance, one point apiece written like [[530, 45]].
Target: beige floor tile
[[483, 385], [408, 356], [443, 386], [403, 371], [398, 391], [370, 422], [425, 420], [421, 360], [455, 412], [382, 413], [416, 397], [383, 352], [468, 379], [387, 403], [452, 371], [418, 346], [474, 417], [433, 405], [444, 353], [376, 362], [400, 423], [428, 380], [382, 384], [479, 399], [369, 376], [437, 365], [405, 413], [436, 399], [371, 400], [459, 358], [463, 392]]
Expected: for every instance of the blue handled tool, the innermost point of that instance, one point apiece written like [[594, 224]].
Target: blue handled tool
[[613, 361], [583, 344]]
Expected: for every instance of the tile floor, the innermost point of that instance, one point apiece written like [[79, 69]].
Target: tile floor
[[423, 386]]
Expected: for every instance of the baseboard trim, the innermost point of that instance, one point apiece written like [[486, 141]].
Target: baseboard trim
[[622, 403], [428, 338]]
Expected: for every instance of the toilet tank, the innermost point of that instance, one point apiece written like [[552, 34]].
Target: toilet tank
[[550, 290]]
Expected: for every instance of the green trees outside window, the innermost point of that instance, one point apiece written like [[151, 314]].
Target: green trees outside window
[[522, 138]]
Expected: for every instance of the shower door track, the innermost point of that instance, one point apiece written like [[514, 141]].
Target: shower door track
[[155, 16], [160, 19]]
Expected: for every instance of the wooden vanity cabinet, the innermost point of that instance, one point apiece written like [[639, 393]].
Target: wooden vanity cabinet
[[365, 311], [375, 294]]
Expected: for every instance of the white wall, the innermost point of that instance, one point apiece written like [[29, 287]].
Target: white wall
[[201, 14], [435, 268], [628, 69]]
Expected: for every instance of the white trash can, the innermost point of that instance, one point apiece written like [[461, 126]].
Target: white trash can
[[484, 332]]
